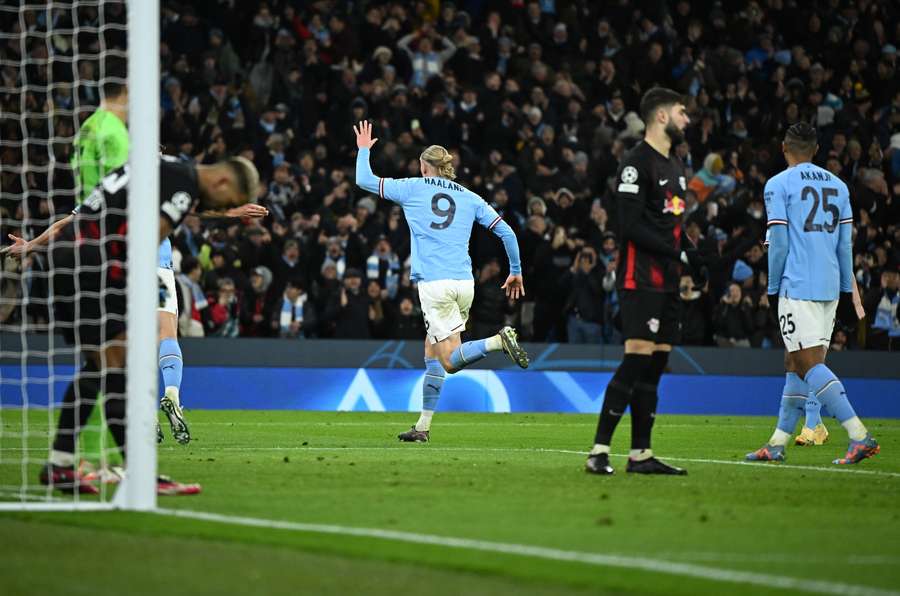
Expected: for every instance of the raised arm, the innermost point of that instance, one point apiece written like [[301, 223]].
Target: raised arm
[[403, 44], [365, 178], [20, 247], [448, 51]]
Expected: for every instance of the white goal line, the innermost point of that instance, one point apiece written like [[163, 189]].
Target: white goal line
[[425, 449], [552, 554], [505, 424]]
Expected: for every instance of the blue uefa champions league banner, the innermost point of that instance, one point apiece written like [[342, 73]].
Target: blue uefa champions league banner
[[400, 390]]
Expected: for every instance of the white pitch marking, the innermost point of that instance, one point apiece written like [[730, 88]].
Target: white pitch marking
[[761, 465], [57, 506], [552, 554], [460, 424], [33, 496], [835, 469], [778, 557]]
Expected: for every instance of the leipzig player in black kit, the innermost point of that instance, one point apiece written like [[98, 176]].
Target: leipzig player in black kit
[[650, 190], [89, 260]]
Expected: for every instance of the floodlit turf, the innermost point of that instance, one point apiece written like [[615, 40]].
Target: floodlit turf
[[513, 479]]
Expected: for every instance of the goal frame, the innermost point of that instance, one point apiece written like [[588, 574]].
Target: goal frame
[[137, 492]]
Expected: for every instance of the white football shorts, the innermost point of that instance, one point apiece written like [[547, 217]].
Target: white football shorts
[[168, 277], [445, 306], [806, 323]]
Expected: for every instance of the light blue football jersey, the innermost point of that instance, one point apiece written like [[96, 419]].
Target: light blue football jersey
[[165, 254], [440, 214], [813, 203]]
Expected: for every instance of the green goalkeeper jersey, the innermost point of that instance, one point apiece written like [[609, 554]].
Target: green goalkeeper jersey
[[101, 146]]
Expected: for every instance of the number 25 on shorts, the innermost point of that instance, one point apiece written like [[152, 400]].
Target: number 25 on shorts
[[787, 324]]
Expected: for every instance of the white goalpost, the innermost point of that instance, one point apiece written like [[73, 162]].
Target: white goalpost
[[139, 489], [51, 70]]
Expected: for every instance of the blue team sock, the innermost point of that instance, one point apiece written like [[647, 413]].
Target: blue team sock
[[468, 353], [431, 386], [813, 412], [830, 392], [170, 362], [792, 402]]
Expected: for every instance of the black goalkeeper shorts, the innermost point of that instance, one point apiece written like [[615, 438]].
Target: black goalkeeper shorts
[[88, 306], [652, 316]]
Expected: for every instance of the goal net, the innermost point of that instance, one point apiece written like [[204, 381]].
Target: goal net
[[55, 59]]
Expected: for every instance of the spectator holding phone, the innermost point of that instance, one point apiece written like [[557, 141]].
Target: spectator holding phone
[[733, 319], [584, 305]]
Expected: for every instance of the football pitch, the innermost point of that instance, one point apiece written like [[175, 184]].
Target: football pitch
[[330, 503]]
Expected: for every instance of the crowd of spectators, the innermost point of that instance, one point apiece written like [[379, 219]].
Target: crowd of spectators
[[536, 100]]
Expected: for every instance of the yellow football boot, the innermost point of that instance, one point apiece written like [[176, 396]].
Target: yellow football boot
[[812, 436]]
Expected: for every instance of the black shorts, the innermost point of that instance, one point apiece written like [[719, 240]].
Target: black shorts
[[88, 309], [653, 316]]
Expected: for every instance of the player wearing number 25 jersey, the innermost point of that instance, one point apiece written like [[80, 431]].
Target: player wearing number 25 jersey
[[812, 206], [810, 280], [440, 214]]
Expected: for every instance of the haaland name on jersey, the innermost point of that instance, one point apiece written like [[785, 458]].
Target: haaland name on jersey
[[444, 183]]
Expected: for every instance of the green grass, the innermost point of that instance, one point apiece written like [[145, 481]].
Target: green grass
[[493, 477]]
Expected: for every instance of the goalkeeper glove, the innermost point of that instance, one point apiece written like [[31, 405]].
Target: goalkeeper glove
[[846, 312]]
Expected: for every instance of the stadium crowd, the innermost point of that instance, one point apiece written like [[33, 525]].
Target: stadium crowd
[[536, 99]]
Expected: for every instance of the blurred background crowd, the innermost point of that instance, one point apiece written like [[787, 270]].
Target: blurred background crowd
[[537, 101]]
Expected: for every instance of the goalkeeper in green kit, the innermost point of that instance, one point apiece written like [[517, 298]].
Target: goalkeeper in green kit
[[100, 147]]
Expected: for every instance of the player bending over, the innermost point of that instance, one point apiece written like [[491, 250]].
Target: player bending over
[[810, 280], [440, 214], [170, 360], [88, 262], [651, 180], [101, 146]]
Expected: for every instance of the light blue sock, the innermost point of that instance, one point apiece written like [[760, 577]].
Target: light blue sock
[[469, 353], [792, 399], [431, 386], [830, 392], [170, 362], [813, 412]]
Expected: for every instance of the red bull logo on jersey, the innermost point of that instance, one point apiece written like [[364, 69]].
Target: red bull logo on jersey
[[675, 205]]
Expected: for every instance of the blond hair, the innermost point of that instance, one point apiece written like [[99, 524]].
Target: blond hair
[[441, 160], [245, 174], [714, 163]]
